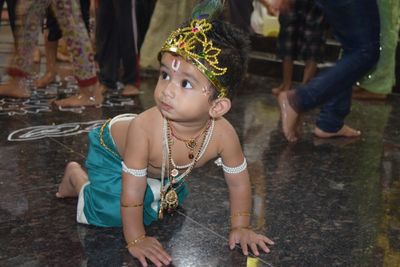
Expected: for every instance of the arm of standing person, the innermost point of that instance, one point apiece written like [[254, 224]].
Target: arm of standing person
[[238, 181], [132, 196]]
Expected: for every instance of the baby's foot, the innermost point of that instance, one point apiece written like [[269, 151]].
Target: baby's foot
[[345, 131], [289, 118], [45, 80], [15, 88], [66, 188], [130, 90]]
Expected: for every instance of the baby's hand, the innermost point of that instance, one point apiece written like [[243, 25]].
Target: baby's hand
[[247, 237], [150, 248]]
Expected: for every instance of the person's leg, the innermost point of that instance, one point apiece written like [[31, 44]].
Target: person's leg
[[312, 38], [11, 5], [287, 45], [73, 180], [310, 69], [85, 11], [51, 37], [287, 73], [29, 15], [356, 24], [127, 51], [334, 111], [107, 55], [69, 17], [379, 82]]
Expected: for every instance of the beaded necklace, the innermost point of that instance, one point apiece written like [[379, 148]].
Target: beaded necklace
[[168, 195], [190, 143]]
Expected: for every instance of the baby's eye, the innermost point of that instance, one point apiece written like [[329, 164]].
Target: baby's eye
[[186, 84], [164, 76]]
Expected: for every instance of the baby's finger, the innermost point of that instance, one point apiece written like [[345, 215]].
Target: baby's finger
[[267, 240], [154, 259], [254, 249], [163, 255], [263, 246], [142, 260], [245, 250], [232, 242]]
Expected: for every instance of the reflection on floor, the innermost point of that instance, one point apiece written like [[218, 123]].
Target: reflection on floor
[[324, 202]]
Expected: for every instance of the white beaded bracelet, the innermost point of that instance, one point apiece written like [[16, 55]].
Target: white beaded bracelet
[[134, 172], [232, 170]]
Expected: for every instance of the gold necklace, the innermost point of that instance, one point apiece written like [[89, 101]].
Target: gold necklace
[[190, 143], [169, 198]]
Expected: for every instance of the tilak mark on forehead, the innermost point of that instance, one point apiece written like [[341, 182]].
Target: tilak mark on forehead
[[176, 64]]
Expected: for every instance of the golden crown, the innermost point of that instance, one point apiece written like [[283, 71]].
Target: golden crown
[[184, 42]]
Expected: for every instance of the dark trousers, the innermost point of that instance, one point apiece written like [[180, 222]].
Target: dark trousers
[[55, 32], [356, 26], [115, 43]]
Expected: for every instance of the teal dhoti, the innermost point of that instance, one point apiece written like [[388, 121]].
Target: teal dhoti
[[99, 200]]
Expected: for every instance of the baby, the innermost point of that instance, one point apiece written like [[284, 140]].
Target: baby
[[202, 65]]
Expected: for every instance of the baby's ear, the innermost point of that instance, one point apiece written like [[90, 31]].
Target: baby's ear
[[220, 107]]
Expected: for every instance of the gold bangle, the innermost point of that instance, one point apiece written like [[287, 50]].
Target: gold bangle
[[241, 213], [241, 227], [134, 242], [131, 205]]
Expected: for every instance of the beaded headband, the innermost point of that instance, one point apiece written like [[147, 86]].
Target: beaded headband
[[184, 42]]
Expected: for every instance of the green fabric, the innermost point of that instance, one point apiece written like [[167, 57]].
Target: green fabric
[[102, 194], [382, 78]]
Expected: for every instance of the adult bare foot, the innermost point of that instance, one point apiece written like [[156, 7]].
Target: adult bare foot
[[88, 96], [72, 181], [103, 88], [45, 80], [130, 90], [15, 88], [289, 117], [281, 88], [345, 131]]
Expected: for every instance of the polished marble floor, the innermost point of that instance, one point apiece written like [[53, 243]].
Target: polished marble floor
[[324, 202]]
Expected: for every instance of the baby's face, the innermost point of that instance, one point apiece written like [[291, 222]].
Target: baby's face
[[182, 92]]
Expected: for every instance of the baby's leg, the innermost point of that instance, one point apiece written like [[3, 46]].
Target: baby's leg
[[73, 180]]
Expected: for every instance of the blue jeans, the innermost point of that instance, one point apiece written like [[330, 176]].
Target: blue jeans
[[355, 24]]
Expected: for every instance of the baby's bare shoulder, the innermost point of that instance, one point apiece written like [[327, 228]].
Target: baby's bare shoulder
[[148, 120]]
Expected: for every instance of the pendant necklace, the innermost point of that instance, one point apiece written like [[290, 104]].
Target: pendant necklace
[[190, 143], [168, 196]]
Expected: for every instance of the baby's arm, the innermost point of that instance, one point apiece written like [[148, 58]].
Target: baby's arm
[[133, 188], [238, 181]]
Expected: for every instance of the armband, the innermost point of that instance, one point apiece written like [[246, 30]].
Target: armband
[[134, 172], [232, 170]]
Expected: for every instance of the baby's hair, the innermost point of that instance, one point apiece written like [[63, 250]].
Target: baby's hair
[[235, 47]]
